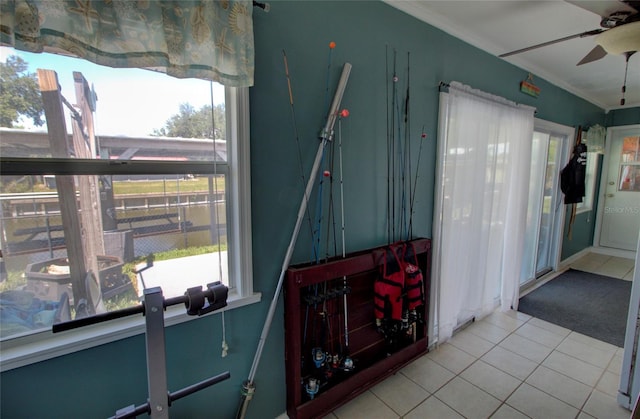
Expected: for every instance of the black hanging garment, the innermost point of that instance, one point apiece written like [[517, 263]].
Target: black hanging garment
[[572, 178], [573, 175]]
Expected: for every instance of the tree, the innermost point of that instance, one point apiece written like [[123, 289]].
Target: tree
[[19, 93], [192, 123]]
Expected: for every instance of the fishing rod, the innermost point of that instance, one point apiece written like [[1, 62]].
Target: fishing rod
[[399, 182], [394, 96], [329, 353], [423, 135], [326, 135], [406, 167], [295, 129], [347, 362], [386, 78], [316, 228], [331, 217], [317, 233], [399, 154], [302, 176]]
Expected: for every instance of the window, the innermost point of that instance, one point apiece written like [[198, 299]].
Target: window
[[138, 176], [629, 178], [589, 182]]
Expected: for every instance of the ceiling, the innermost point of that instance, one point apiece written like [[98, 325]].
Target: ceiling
[[498, 27]]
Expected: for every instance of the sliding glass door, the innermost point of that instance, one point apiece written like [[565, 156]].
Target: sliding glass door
[[544, 260], [544, 205]]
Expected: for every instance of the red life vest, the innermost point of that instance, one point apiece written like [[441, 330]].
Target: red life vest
[[388, 288], [400, 285], [413, 280]]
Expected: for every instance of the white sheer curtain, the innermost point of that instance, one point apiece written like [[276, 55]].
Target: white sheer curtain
[[484, 151]]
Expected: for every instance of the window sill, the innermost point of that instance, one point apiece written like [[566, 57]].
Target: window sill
[[42, 346]]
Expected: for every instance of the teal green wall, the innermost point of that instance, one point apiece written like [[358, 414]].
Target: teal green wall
[[584, 225], [95, 382], [623, 116]]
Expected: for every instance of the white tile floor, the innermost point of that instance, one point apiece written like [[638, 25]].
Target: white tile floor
[[508, 365], [613, 266]]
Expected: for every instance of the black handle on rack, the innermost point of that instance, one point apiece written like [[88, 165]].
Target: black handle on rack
[[133, 411], [178, 394], [196, 301], [97, 318]]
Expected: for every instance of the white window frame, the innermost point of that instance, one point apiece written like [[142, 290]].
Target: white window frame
[[40, 346], [590, 183]]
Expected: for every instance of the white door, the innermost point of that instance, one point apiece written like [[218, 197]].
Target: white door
[[544, 210], [620, 190]]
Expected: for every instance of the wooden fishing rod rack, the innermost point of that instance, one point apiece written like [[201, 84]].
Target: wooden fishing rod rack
[[312, 286]]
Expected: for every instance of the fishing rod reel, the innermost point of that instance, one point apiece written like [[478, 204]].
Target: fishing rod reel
[[312, 384], [339, 363], [387, 326], [344, 363], [312, 387], [398, 332], [327, 367], [318, 356], [409, 318]]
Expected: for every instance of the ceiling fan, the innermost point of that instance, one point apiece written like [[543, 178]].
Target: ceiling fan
[[619, 32]]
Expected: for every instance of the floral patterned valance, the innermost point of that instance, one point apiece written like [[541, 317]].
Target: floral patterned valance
[[204, 39]]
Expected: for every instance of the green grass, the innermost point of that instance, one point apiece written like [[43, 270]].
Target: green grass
[[14, 280], [199, 184], [169, 186], [122, 301]]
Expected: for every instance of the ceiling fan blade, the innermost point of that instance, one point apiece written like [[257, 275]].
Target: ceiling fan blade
[[555, 41], [594, 55], [604, 8]]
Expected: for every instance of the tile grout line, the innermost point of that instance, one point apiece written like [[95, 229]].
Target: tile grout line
[[502, 402], [524, 381], [493, 346], [555, 348]]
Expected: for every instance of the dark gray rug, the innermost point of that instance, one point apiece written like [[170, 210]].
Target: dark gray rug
[[591, 304]]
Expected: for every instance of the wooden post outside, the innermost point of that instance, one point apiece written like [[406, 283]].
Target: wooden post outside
[[103, 184], [56, 128], [89, 193]]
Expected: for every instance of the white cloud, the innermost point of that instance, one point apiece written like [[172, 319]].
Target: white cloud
[[130, 101], [137, 107]]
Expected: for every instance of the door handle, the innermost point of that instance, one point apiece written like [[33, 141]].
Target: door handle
[[609, 195], [612, 183]]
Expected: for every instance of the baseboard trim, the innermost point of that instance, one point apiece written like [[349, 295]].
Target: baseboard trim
[[609, 251], [568, 261]]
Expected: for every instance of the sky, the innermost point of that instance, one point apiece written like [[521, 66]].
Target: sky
[[131, 102]]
